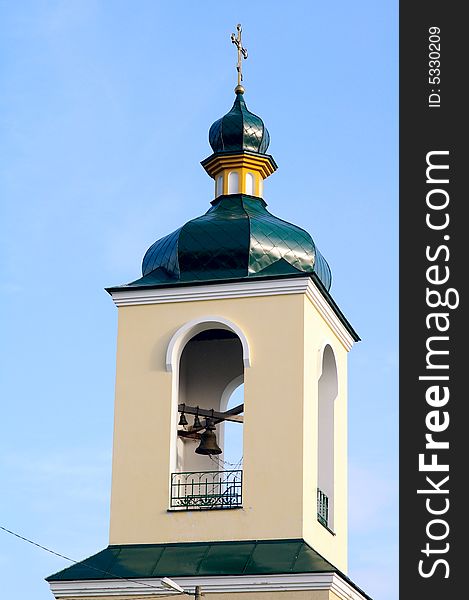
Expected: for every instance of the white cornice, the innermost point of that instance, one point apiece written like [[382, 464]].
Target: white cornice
[[243, 289], [239, 289], [219, 584], [328, 314]]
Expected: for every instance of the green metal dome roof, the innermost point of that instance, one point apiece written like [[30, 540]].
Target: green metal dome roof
[[236, 238], [239, 130]]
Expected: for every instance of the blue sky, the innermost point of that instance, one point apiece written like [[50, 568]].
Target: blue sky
[[104, 113]]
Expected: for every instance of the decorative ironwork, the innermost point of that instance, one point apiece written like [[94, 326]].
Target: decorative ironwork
[[323, 508], [206, 489]]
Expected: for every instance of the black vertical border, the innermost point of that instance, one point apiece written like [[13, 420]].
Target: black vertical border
[[424, 129]]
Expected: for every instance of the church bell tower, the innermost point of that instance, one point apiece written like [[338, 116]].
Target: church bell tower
[[229, 471]]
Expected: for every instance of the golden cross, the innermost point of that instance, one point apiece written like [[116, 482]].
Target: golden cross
[[242, 52]]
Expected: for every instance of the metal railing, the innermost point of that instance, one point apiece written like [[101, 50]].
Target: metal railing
[[323, 508], [206, 489]]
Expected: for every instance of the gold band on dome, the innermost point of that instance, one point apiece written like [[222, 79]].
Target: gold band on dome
[[265, 165]]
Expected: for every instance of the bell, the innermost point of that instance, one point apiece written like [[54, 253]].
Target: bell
[[182, 419], [197, 424], [208, 440]]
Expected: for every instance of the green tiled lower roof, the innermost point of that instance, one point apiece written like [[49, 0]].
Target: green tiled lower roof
[[192, 559], [198, 558]]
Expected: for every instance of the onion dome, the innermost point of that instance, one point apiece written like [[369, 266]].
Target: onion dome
[[237, 238], [239, 130]]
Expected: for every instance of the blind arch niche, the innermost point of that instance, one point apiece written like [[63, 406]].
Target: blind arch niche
[[327, 394]]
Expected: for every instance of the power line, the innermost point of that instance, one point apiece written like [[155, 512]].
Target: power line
[[36, 544], [75, 562]]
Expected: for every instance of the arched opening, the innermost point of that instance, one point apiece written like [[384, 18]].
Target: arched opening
[[231, 433], [219, 186], [327, 393], [250, 184], [211, 371], [233, 183]]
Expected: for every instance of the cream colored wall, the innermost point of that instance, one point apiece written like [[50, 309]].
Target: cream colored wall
[[286, 335], [317, 335], [140, 488]]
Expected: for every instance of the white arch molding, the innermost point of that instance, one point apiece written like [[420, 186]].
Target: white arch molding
[[320, 356], [192, 328], [230, 388], [225, 398]]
